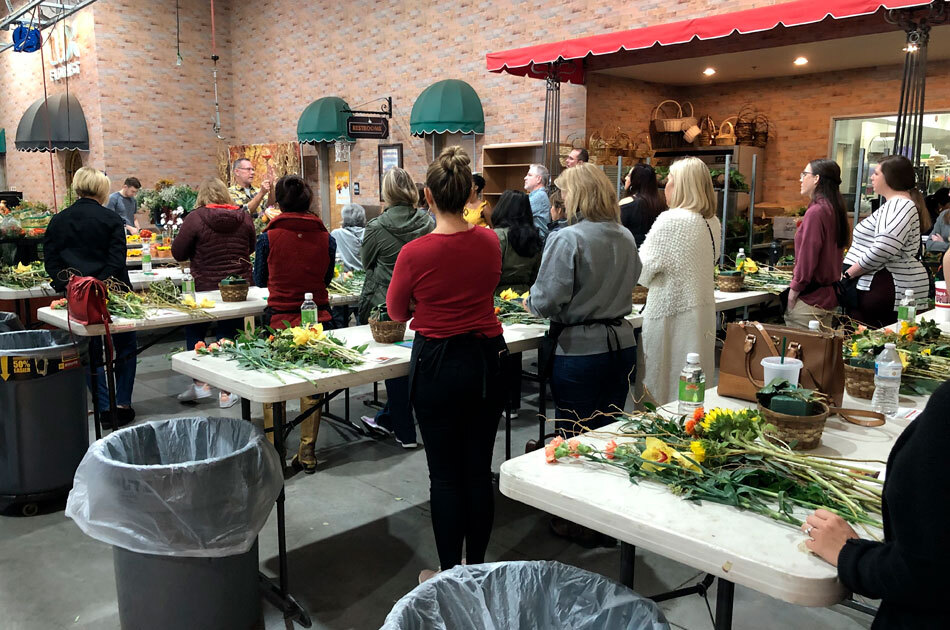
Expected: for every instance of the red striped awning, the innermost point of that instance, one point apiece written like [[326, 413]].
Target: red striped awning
[[525, 61]]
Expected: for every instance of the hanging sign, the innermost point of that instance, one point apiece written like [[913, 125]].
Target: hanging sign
[[63, 51], [367, 127]]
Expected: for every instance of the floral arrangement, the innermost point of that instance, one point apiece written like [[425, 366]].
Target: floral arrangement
[[291, 350], [23, 276], [162, 294], [923, 349], [509, 308], [724, 456], [347, 282]]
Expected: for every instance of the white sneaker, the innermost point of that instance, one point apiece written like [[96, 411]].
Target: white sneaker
[[194, 393], [407, 445], [226, 401]]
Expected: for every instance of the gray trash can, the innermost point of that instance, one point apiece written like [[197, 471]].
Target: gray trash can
[[44, 431], [182, 502], [523, 596], [9, 322]]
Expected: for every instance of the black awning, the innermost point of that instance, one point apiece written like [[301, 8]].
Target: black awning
[[63, 127]]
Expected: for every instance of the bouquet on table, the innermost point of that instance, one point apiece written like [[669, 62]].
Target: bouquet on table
[[347, 282], [22, 276], [924, 351], [509, 308], [728, 456]]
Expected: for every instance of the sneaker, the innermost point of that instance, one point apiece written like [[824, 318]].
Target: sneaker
[[407, 445], [370, 423], [427, 574], [226, 400], [194, 393]]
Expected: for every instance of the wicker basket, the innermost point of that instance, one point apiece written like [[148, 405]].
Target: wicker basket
[[640, 294], [785, 267], [730, 284], [388, 331], [707, 132], [804, 431], [745, 126], [726, 137], [859, 382], [642, 146], [760, 130], [672, 124], [233, 292]]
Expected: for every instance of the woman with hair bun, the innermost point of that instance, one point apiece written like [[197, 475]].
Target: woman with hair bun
[[819, 242], [445, 281], [883, 257], [294, 256]]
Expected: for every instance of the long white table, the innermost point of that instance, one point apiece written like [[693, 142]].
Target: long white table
[[736, 546]]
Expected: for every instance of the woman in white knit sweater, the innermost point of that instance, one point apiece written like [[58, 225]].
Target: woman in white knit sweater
[[679, 256]]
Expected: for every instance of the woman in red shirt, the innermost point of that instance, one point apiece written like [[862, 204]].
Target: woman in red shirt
[[445, 281], [819, 241]]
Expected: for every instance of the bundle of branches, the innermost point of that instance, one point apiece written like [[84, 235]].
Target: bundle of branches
[[509, 308], [725, 457], [23, 276]]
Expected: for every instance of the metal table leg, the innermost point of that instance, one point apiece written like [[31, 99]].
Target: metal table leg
[[725, 592], [628, 555], [542, 407], [279, 594], [507, 433]]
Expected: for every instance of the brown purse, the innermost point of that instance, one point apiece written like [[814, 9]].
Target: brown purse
[[747, 343]]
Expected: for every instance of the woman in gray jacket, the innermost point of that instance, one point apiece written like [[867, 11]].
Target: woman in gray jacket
[[383, 238]]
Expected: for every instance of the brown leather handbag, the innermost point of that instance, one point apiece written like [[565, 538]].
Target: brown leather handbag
[[747, 343]]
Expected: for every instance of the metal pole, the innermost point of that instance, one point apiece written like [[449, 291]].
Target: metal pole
[[752, 203], [725, 213], [859, 187], [619, 178]]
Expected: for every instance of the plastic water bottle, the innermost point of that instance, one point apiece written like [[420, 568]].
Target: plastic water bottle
[[740, 258], [308, 311], [188, 284], [692, 385], [146, 257], [907, 311], [887, 381]]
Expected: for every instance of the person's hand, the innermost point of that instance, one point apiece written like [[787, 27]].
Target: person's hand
[[524, 305], [792, 298], [937, 238], [131, 229], [828, 533], [265, 186]]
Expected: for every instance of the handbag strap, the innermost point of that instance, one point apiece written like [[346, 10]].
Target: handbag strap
[[875, 419], [774, 350]]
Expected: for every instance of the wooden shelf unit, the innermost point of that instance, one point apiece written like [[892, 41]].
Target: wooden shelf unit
[[505, 165]]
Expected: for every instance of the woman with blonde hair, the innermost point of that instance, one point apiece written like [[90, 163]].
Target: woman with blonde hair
[[88, 239], [679, 256], [217, 238], [445, 282], [585, 287]]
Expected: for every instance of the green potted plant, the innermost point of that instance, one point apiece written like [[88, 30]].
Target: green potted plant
[[233, 289]]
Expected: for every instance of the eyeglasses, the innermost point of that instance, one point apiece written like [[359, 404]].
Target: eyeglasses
[[803, 173], [245, 168]]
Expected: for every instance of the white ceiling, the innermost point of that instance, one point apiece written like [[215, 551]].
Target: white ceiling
[[865, 51]]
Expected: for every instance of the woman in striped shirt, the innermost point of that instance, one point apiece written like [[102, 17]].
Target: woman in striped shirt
[[884, 250]]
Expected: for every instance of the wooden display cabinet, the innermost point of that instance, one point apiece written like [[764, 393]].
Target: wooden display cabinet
[[505, 165]]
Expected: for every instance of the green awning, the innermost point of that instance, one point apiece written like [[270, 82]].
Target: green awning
[[449, 106], [323, 121], [3, 140]]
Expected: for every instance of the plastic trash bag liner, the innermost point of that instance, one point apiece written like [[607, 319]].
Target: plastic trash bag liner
[[523, 596], [44, 344], [9, 322], [197, 487]]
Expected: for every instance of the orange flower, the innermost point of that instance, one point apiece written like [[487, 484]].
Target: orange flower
[[691, 427], [549, 453], [270, 337], [497, 310], [573, 444], [698, 414], [889, 331], [557, 441], [199, 347], [610, 448], [213, 347]]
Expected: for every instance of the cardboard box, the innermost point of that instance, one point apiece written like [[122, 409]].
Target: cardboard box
[[784, 227]]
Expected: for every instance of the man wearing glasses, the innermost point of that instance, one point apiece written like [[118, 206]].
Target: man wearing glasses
[[243, 192]]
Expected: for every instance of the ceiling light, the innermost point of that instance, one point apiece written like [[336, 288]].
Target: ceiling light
[[709, 72], [800, 61]]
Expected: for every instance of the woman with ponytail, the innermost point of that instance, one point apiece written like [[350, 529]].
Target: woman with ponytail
[[819, 244], [445, 282]]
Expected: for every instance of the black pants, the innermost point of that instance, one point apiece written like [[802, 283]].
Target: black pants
[[458, 395]]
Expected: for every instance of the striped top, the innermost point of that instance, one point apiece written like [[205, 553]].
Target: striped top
[[890, 239]]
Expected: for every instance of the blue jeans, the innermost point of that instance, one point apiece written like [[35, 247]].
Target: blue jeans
[[586, 387], [397, 414], [125, 347], [227, 328]]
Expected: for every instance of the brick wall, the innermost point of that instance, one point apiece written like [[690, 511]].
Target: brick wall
[[800, 108]]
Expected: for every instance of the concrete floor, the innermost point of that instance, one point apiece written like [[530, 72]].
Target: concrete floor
[[358, 533]]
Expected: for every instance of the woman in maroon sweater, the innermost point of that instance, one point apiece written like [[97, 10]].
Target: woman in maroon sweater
[[819, 243], [217, 238], [445, 281]]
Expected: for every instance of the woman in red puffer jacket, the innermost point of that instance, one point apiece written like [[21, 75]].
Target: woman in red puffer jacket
[[218, 238]]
